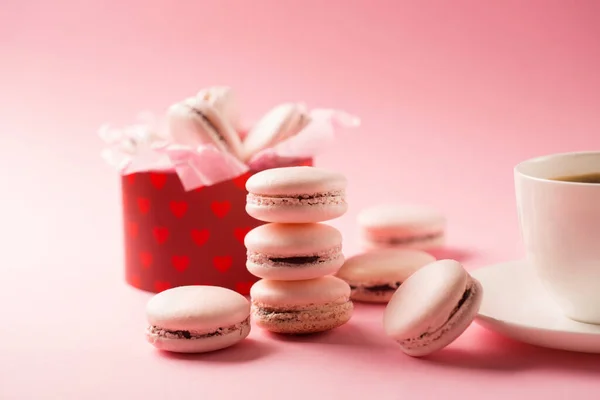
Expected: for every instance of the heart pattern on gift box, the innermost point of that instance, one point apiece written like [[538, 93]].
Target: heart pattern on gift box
[[180, 262], [243, 288], [158, 179], [132, 229], [200, 236], [220, 208], [178, 208], [175, 238], [146, 259], [143, 204], [222, 263], [240, 233], [161, 286], [161, 234]]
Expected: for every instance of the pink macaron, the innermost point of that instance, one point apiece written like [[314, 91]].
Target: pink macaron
[[296, 195], [301, 307], [194, 122], [401, 226], [375, 275], [432, 308], [197, 319], [279, 124], [293, 251]]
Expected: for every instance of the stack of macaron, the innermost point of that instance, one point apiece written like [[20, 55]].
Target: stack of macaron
[[295, 253], [212, 117]]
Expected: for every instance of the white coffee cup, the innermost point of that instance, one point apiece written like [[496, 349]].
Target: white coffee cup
[[560, 226]]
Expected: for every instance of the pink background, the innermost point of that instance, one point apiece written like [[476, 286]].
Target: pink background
[[452, 95]]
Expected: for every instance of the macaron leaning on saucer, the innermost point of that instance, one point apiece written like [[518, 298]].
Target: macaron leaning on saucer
[[432, 308], [296, 195], [301, 307], [401, 226], [375, 276], [194, 122], [293, 251], [280, 123], [197, 319]]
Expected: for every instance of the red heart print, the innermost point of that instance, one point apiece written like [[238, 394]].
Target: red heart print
[[160, 286], [200, 236], [130, 178], [220, 208], [178, 208], [135, 281], [158, 179], [243, 288], [240, 181], [132, 229], [143, 204], [222, 263], [240, 233], [180, 262], [146, 259], [161, 234]]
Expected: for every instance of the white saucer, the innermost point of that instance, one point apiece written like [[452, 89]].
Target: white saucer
[[516, 305]]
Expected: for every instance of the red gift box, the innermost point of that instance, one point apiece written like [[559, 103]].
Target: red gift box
[[175, 237]]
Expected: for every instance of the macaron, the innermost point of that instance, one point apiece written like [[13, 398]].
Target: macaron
[[432, 308], [194, 122], [223, 99], [296, 195], [301, 307], [280, 123], [293, 251], [197, 319], [396, 225], [375, 275]]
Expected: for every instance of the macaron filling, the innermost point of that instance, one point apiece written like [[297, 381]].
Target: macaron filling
[[405, 239], [194, 335], [429, 336], [320, 198], [387, 287], [295, 260], [210, 124]]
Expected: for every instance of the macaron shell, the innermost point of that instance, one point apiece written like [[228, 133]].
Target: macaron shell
[[280, 123], [425, 300], [409, 217], [298, 213], [199, 345], [292, 239], [223, 99], [187, 128], [290, 295], [295, 181], [197, 308], [453, 328], [378, 267], [320, 319]]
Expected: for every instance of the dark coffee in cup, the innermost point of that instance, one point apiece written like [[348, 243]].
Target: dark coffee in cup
[[584, 178]]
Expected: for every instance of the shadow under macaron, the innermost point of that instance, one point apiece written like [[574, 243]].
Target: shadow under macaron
[[247, 350]]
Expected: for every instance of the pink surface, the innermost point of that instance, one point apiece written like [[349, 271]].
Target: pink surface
[[451, 95]]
